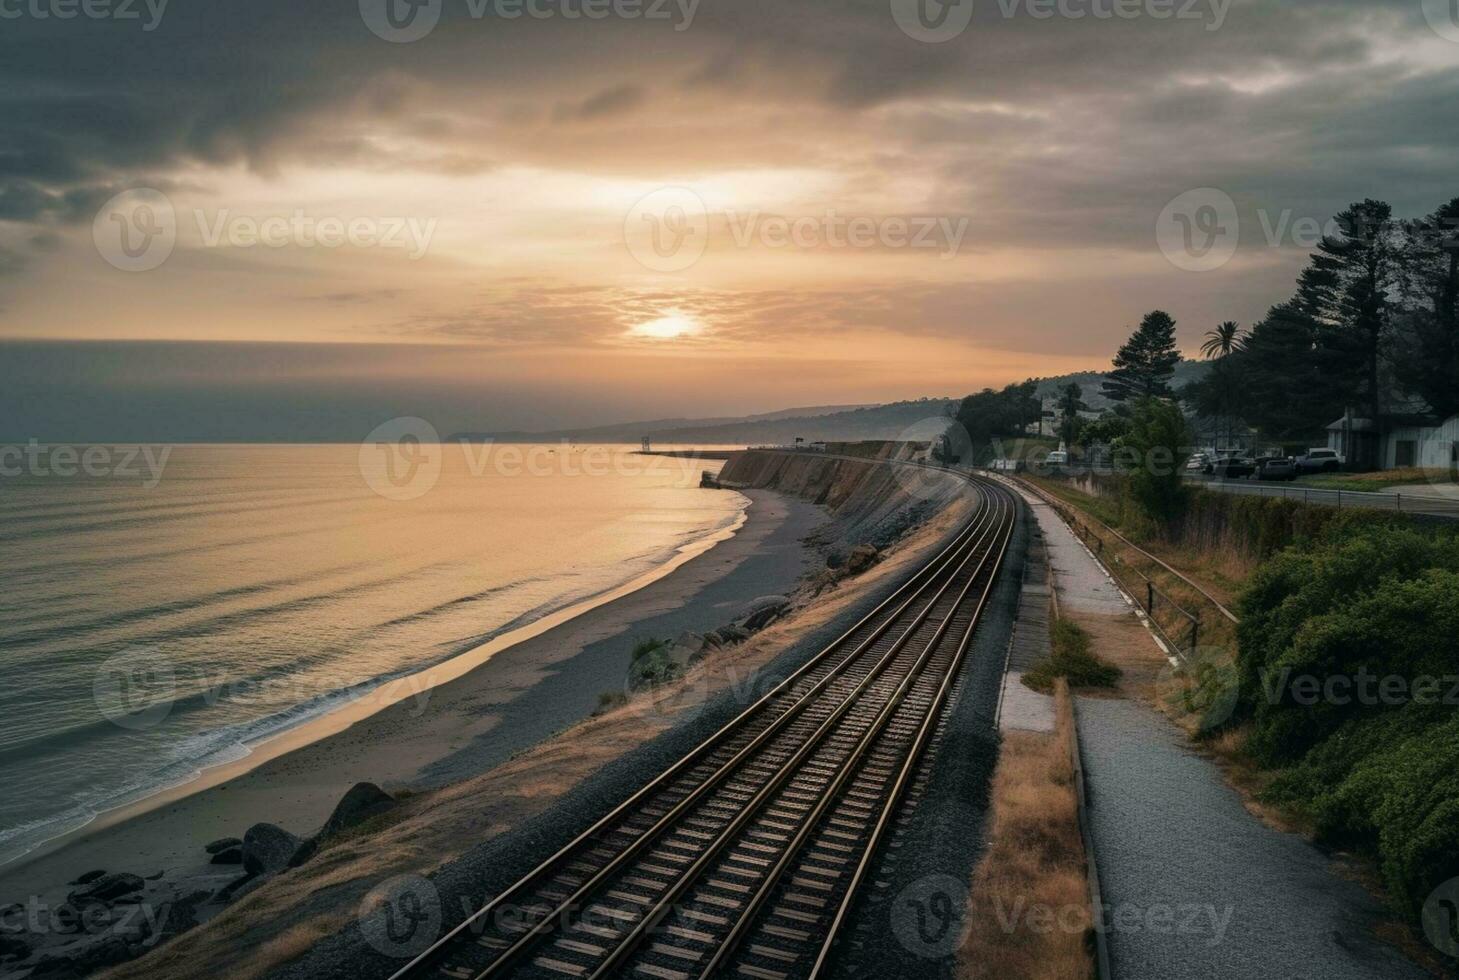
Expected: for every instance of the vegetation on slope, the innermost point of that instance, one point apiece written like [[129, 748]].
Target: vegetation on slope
[[1345, 669], [1349, 673]]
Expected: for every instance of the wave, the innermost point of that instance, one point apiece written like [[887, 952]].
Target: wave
[[194, 754]]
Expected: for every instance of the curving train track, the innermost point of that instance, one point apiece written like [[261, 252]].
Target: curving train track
[[744, 858]]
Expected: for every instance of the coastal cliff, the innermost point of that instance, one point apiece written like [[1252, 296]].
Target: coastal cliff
[[872, 502]]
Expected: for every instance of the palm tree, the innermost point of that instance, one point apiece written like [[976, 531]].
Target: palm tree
[[1224, 340], [1220, 344], [1071, 403]]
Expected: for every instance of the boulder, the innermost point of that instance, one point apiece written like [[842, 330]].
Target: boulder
[[306, 851], [88, 877], [268, 848], [687, 649], [74, 962], [182, 914], [225, 894], [764, 611], [132, 923], [107, 889], [223, 844], [363, 801], [862, 557], [713, 639], [733, 634], [234, 855], [67, 918], [763, 603], [238, 887], [13, 948]]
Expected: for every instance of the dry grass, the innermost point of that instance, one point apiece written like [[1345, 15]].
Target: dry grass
[[1126, 643], [292, 944], [1029, 915], [1219, 566]]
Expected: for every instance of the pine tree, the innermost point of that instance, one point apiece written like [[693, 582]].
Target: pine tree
[[1346, 289], [1071, 403], [1286, 388], [1145, 364], [1429, 364]]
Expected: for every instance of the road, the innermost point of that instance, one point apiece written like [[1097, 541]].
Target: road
[[1431, 501]]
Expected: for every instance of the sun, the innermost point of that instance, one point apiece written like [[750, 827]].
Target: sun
[[671, 326]]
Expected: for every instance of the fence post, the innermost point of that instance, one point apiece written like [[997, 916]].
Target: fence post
[[1400, 502], [1150, 598], [1195, 634]]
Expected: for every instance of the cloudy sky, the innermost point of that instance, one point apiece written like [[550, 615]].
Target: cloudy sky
[[275, 219]]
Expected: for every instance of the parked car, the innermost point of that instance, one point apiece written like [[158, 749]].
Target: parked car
[[1319, 461], [1231, 466], [1057, 458], [1276, 468], [1199, 463]]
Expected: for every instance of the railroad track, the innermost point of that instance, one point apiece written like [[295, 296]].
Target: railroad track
[[744, 858]]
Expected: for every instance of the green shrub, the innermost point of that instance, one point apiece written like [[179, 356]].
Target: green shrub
[[651, 663], [1399, 800], [1366, 602], [1346, 662], [609, 700], [1071, 659]]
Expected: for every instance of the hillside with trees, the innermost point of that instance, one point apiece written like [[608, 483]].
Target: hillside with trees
[[1373, 325], [1329, 602]]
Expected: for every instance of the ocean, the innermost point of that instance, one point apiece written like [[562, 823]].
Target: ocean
[[162, 617]]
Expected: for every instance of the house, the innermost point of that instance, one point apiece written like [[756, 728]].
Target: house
[[1431, 447], [1406, 440]]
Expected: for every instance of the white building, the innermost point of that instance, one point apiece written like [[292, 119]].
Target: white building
[[1408, 441], [1430, 447]]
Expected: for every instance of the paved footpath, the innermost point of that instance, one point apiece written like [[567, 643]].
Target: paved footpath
[[1194, 885]]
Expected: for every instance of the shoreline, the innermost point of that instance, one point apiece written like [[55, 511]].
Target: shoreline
[[476, 835], [415, 732], [388, 693]]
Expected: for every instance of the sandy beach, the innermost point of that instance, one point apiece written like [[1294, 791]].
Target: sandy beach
[[509, 700], [480, 832]]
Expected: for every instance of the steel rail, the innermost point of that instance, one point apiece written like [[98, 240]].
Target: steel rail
[[899, 789], [901, 599], [555, 919], [776, 875], [760, 802]]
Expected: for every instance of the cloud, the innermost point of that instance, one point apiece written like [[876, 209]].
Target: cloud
[[1059, 140], [11, 262], [274, 82], [610, 102], [357, 297]]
